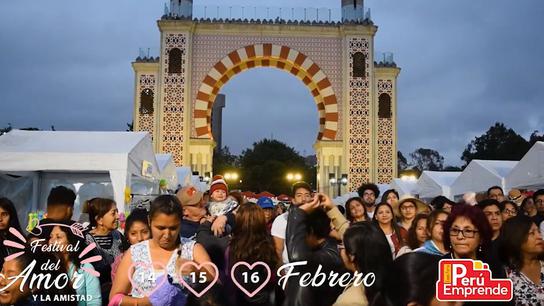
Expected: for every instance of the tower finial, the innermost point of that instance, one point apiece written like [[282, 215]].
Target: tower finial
[[352, 10]]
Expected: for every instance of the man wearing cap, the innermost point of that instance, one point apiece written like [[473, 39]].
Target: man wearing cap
[[268, 207], [193, 208], [302, 193]]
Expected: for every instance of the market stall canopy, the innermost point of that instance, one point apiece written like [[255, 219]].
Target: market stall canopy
[[120, 155], [184, 174], [529, 172], [167, 169], [434, 183], [403, 187], [479, 175]]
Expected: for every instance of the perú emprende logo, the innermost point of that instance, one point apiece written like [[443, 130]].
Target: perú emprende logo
[[470, 280]]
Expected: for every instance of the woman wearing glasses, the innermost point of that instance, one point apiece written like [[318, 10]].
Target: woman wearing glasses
[[467, 234], [522, 248], [509, 210]]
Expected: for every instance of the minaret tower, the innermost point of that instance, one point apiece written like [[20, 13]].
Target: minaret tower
[[181, 8], [352, 10]]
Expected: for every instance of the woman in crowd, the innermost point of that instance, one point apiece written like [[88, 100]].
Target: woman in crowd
[[508, 209], [390, 197], [435, 230], [442, 203], [104, 219], [24, 295], [411, 281], [467, 234], [136, 230], [8, 218], [366, 251], [150, 261], [417, 234], [356, 210], [522, 248], [257, 247], [62, 237], [406, 211], [387, 222]]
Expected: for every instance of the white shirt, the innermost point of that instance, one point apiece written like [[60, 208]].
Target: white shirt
[[279, 227], [371, 214]]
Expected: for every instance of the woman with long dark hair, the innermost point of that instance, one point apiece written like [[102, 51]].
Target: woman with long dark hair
[[104, 219], [62, 237], [162, 256], [366, 251], [252, 243], [21, 292], [356, 210], [385, 219], [411, 280], [435, 229], [522, 249], [417, 234], [8, 218]]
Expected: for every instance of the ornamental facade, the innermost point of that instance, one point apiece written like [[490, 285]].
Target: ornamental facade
[[354, 92]]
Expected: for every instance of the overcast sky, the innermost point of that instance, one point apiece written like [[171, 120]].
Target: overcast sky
[[465, 65]]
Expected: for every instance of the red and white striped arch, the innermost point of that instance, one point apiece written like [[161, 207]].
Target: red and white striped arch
[[268, 55]]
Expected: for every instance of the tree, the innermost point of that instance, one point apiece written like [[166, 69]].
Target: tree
[[224, 161], [402, 163], [427, 159], [452, 168], [535, 137], [6, 129], [498, 143], [265, 166]]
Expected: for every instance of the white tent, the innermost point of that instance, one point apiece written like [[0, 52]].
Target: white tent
[[403, 187], [201, 186], [434, 183], [383, 188], [341, 200], [529, 172], [479, 175], [184, 174], [90, 163], [167, 169]]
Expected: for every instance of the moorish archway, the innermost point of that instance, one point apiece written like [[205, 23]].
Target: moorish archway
[[355, 91], [268, 55]]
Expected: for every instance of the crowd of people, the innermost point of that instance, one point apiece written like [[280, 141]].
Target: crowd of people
[[162, 257]]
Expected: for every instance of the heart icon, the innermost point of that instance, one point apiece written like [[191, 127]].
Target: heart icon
[[147, 267], [198, 267], [250, 267]]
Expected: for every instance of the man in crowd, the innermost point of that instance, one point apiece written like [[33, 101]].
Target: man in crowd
[[369, 193], [538, 199], [60, 208], [495, 193], [307, 239], [491, 210], [194, 210], [302, 193]]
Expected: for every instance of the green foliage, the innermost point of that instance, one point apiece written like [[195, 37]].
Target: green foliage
[[402, 163], [427, 159], [224, 161], [498, 143], [265, 166], [535, 137]]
